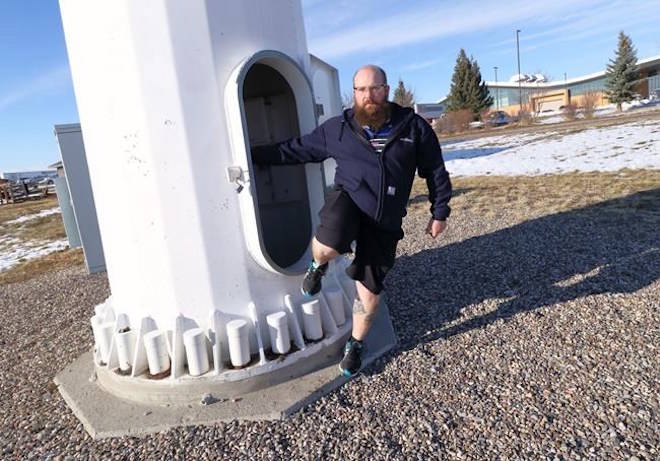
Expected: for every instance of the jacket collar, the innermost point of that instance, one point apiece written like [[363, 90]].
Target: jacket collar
[[398, 116]]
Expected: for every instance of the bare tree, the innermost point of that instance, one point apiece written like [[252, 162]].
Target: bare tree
[[347, 100]]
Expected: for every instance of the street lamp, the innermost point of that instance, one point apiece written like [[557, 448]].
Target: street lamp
[[519, 76], [497, 91]]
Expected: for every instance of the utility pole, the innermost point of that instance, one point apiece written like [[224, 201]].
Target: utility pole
[[497, 91], [519, 76]]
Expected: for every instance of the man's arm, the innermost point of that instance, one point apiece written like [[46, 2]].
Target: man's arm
[[305, 149], [431, 166]]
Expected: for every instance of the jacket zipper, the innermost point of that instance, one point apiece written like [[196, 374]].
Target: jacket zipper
[[381, 196], [393, 136]]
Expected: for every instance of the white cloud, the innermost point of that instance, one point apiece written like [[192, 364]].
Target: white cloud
[[421, 65], [53, 79], [583, 24], [433, 21]]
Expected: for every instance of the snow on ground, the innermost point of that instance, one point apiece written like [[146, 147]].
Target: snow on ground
[[14, 251], [632, 145], [557, 116], [30, 217]]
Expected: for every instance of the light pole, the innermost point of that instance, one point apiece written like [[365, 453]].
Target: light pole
[[519, 76], [497, 91]]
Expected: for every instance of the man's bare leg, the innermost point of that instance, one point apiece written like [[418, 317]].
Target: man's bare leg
[[364, 312], [322, 253]]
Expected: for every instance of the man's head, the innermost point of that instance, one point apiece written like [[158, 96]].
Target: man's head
[[370, 94]]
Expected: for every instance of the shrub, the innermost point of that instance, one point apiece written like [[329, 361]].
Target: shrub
[[484, 115], [590, 101], [526, 117], [569, 112], [455, 121]]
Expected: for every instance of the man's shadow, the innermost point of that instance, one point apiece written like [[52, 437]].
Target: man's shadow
[[476, 152], [609, 247]]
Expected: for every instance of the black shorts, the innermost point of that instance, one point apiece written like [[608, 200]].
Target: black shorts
[[342, 222]]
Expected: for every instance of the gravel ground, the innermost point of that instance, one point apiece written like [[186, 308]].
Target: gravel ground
[[521, 337]]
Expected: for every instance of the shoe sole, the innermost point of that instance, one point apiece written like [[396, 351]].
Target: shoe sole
[[308, 295], [346, 373]]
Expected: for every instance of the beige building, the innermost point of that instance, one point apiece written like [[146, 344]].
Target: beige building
[[539, 95]]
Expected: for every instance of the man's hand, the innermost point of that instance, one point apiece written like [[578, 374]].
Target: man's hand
[[435, 227]]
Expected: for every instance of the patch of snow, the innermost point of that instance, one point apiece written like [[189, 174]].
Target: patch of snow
[[30, 217], [18, 251], [556, 116], [632, 145], [552, 119]]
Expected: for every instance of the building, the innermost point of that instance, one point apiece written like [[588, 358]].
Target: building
[[539, 95], [17, 176], [431, 111]]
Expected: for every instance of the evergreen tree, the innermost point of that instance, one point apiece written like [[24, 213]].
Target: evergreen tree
[[404, 96], [480, 99], [458, 93], [468, 91], [621, 75]]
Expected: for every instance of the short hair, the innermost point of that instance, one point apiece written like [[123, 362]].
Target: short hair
[[372, 67]]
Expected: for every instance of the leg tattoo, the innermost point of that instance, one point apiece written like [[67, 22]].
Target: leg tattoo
[[358, 307]]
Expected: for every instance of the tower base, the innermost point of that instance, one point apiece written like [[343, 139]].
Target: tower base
[[265, 397]]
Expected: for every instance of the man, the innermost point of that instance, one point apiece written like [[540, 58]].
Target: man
[[377, 145]]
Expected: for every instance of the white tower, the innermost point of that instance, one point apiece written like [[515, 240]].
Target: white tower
[[205, 253]]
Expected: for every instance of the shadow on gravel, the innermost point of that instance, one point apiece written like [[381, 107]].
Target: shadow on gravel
[[425, 198], [610, 247], [462, 154]]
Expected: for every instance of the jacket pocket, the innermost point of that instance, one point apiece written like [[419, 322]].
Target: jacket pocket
[[350, 183]]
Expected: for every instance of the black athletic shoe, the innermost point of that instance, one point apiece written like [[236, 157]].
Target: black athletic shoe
[[311, 284], [352, 361]]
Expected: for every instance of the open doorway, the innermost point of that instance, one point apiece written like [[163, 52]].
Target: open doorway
[[285, 222]]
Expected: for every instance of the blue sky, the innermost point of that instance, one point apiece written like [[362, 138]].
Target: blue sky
[[414, 40]]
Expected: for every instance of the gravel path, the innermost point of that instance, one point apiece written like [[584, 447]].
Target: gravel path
[[520, 338]]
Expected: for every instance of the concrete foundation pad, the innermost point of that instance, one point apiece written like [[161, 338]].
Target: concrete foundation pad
[[105, 415]]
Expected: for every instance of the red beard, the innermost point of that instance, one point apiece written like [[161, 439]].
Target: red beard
[[372, 115]]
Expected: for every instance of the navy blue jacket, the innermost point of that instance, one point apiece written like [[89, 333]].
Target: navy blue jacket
[[379, 184]]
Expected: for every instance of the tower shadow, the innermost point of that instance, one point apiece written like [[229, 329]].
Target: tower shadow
[[609, 247]]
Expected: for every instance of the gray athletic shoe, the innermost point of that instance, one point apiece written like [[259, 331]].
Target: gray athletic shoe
[[311, 284], [352, 361]]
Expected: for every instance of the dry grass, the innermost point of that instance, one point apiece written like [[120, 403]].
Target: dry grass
[[48, 227], [12, 211], [51, 262], [527, 196], [536, 196]]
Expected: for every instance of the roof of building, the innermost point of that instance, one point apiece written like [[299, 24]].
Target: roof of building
[[641, 64], [430, 110]]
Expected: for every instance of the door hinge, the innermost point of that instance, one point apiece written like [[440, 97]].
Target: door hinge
[[238, 176]]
